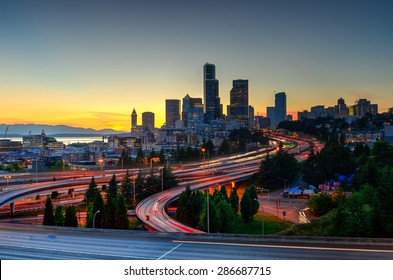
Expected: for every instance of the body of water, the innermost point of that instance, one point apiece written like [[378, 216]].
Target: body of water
[[69, 140]]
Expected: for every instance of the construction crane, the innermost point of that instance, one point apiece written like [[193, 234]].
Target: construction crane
[[6, 130]]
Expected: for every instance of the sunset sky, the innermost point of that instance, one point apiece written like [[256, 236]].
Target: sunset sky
[[89, 63]]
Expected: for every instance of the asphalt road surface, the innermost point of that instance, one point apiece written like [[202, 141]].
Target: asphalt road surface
[[33, 242]]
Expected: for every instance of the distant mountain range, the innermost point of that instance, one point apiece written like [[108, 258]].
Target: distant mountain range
[[16, 130]]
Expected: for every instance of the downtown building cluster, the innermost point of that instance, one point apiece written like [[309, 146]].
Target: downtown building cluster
[[189, 122], [193, 120]]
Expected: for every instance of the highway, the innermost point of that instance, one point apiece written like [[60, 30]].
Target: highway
[[152, 210], [28, 242]]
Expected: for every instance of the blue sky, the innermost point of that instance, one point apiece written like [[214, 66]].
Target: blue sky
[[91, 62]]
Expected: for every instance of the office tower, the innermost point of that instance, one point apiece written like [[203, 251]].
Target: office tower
[[342, 109], [318, 111], [271, 115], [364, 106], [134, 119], [212, 104], [148, 120], [251, 117], [189, 103], [172, 110], [239, 102], [281, 107]]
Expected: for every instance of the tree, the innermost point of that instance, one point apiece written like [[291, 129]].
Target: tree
[[280, 166], [112, 189], [209, 147], [320, 204], [127, 189], [91, 190], [70, 219], [183, 206], [254, 199], [108, 217], [225, 147], [214, 216], [121, 214], [49, 218], [246, 206], [59, 216], [89, 215], [224, 193], [98, 205], [169, 179], [234, 200]]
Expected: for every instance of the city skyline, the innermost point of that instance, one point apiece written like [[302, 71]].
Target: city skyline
[[89, 66]]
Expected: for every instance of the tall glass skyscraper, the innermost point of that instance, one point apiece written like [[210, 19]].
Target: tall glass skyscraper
[[280, 107], [172, 111], [212, 104], [239, 102]]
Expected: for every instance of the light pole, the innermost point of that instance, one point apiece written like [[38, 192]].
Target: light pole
[[36, 169], [207, 210], [101, 162], [162, 178], [134, 188], [203, 152], [94, 217]]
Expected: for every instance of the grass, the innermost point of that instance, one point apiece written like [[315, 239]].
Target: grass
[[272, 225]]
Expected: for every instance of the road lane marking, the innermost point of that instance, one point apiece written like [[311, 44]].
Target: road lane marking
[[285, 247], [74, 252], [170, 251]]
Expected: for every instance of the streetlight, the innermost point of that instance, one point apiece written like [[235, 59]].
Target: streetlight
[[162, 178], [94, 217], [100, 161], [36, 169], [207, 210], [134, 187]]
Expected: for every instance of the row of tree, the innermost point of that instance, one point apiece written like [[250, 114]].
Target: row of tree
[[61, 216], [193, 208], [368, 211]]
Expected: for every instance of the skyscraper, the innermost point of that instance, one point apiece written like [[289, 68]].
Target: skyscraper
[[212, 104], [280, 107], [134, 120], [342, 109], [172, 111], [148, 120], [189, 103], [239, 102], [271, 115]]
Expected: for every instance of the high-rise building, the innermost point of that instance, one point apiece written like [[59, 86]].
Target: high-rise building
[[195, 117], [251, 117], [239, 102], [212, 104], [342, 109], [134, 120], [364, 106], [271, 115], [280, 107], [189, 103], [148, 120], [318, 111], [172, 111]]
